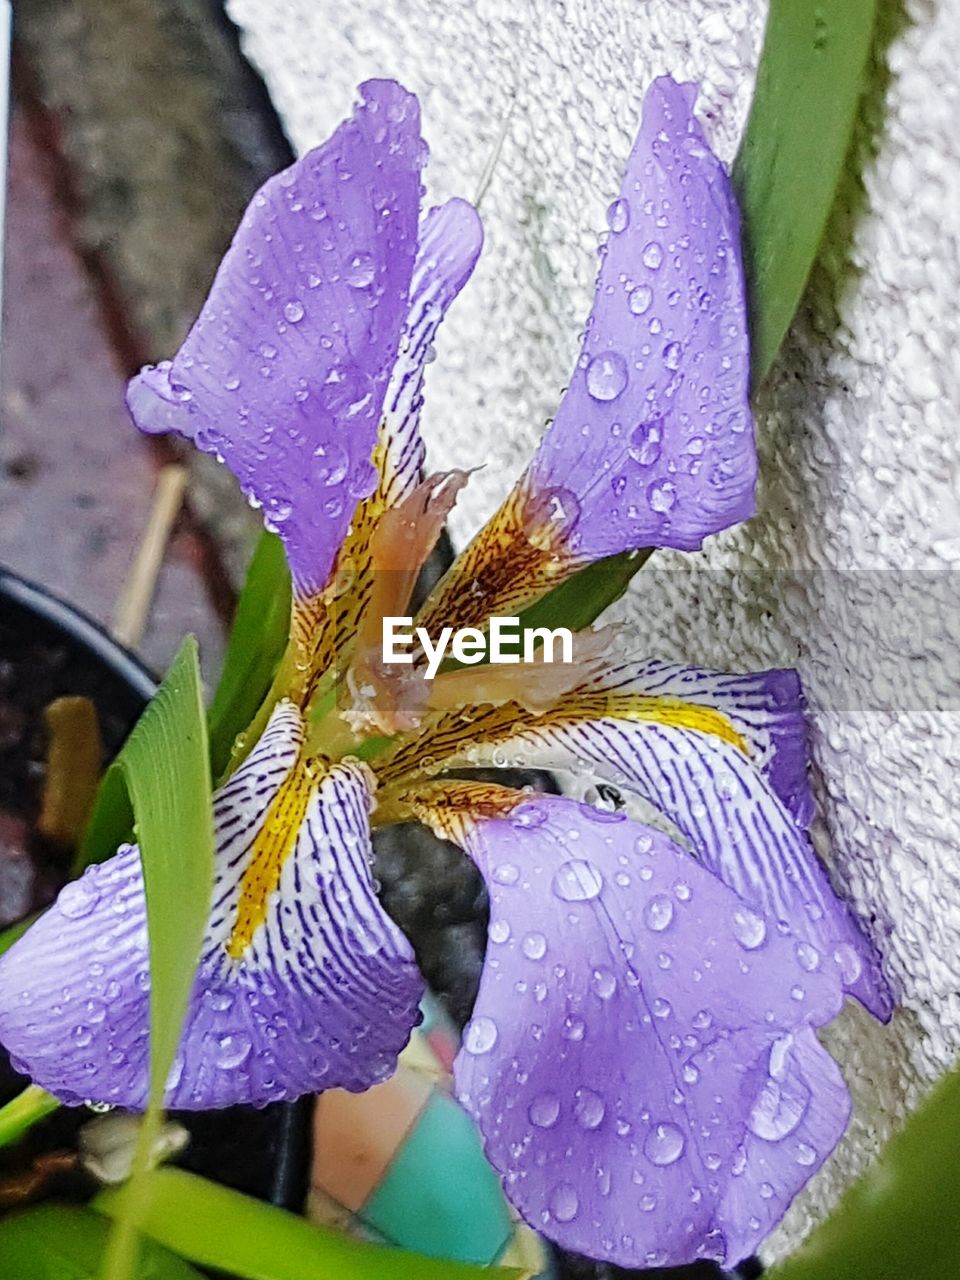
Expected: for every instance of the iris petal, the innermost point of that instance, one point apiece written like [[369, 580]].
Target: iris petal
[[653, 442], [641, 1058], [323, 994], [716, 795], [285, 371], [766, 707]]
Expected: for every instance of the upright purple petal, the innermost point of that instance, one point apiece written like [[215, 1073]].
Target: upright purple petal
[[284, 373], [324, 996], [653, 442], [641, 1059], [451, 237]]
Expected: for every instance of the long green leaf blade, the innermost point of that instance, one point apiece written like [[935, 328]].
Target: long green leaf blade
[[220, 1228], [901, 1220], [64, 1242], [809, 83], [257, 641], [165, 766]]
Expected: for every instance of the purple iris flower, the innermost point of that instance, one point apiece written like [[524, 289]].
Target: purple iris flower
[[642, 1060]]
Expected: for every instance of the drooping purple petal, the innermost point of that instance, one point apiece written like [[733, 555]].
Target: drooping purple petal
[[719, 801], [284, 373], [325, 995], [766, 707], [451, 237], [641, 1058], [653, 442]]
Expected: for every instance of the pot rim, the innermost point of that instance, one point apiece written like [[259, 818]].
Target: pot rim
[[79, 627]]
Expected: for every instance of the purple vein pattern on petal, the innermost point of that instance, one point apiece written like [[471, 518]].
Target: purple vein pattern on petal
[[284, 373], [653, 442], [641, 1058], [766, 707], [719, 803], [451, 237], [325, 996]]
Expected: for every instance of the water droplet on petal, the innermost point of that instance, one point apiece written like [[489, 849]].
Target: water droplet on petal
[[499, 931], [534, 946], [604, 983], [577, 881], [544, 1110], [564, 1202], [293, 310], [506, 873], [749, 929], [573, 1028], [639, 299], [776, 1112], [652, 255], [662, 496], [588, 1108], [805, 1154], [606, 376], [361, 271], [78, 899], [644, 444], [849, 963], [480, 1036], [618, 216], [232, 1050], [664, 1144], [658, 913]]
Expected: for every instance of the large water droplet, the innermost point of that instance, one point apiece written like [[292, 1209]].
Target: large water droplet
[[671, 355], [293, 310], [573, 1027], [664, 1144], [639, 299], [564, 1202], [606, 376], [534, 946], [361, 271], [499, 931], [662, 496], [78, 899], [644, 444], [577, 881], [506, 873], [808, 957], [652, 255], [480, 1036], [749, 929], [232, 1050], [777, 1111], [604, 983], [588, 1108], [849, 963], [618, 216], [544, 1110], [658, 913]]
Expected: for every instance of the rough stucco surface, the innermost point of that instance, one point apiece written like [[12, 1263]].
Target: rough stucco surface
[[846, 571]]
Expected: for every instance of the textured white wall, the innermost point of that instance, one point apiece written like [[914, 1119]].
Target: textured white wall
[[860, 500]]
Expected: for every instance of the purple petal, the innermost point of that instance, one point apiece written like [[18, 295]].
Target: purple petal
[[766, 707], [653, 442], [284, 373], [325, 995], [719, 802], [451, 237], [641, 1059]]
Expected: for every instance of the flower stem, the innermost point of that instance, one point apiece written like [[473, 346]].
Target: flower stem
[[23, 1112]]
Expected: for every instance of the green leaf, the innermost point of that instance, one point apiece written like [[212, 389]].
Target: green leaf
[[257, 641], [580, 600], [165, 767], [220, 1228], [901, 1220], [809, 82], [23, 1112], [63, 1242]]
